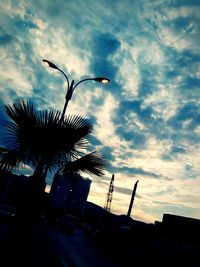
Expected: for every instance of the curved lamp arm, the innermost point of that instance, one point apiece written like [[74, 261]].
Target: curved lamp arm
[[98, 79], [71, 87], [52, 65]]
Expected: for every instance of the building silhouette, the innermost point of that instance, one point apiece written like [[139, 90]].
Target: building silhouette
[[12, 187], [179, 228], [69, 193]]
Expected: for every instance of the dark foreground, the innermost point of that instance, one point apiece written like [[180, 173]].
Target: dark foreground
[[95, 241], [43, 244]]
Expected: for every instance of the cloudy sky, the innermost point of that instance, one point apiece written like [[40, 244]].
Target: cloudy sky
[[147, 119]]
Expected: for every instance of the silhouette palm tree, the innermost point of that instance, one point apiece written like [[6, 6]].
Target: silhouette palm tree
[[46, 143]]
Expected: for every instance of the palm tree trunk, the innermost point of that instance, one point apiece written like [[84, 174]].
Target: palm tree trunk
[[35, 192], [39, 171]]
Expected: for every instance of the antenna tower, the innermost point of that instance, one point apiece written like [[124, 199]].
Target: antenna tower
[[109, 195], [132, 199]]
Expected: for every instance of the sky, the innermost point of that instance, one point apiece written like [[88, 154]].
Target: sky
[[146, 120]]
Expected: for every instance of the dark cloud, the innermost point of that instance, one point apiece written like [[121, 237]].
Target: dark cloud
[[189, 113], [172, 74], [180, 3], [191, 82], [104, 47], [104, 68], [180, 23], [108, 152], [136, 171], [185, 58], [94, 141], [138, 139], [126, 107], [176, 149], [123, 190], [3, 119], [24, 25], [6, 39], [146, 115], [174, 152]]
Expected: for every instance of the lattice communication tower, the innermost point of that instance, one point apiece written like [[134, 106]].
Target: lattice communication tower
[[109, 195]]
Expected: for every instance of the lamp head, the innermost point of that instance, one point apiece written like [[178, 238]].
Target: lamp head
[[102, 80], [50, 64]]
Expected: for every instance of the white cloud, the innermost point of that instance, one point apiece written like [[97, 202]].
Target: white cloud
[[162, 25], [7, 7], [16, 75], [173, 13], [41, 24], [129, 78], [54, 45], [105, 128], [164, 101], [147, 51]]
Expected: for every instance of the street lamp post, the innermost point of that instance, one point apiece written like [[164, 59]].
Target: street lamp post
[[71, 87]]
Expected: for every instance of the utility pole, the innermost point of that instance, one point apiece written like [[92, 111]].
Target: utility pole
[[132, 199], [109, 195]]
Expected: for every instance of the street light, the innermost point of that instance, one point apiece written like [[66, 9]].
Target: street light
[[71, 87]]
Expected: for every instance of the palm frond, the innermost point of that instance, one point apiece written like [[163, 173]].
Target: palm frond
[[49, 118], [92, 163], [10, 159], [55, 137], [3, 150], [22, 111], [41, 138], [19, 131], [80, 128]]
